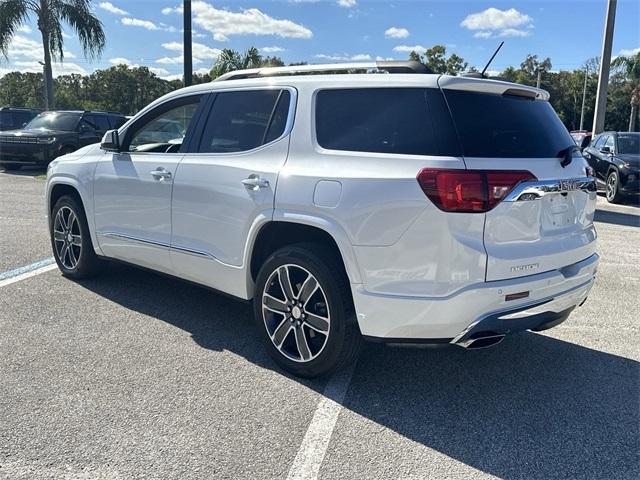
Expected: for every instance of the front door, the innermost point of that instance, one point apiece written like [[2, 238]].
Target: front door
[[132, 188], [227, 183]]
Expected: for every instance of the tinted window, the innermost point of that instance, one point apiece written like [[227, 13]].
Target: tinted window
[[629, 143], [241, 121], [99, 122], [383, 120], [6, 119], [163, 129], [609, 142], [117, 121], [506, 126], [597, 141]]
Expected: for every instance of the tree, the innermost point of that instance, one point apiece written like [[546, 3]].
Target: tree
[[436, 59], [230, 60], [49, 14], [631, 70]]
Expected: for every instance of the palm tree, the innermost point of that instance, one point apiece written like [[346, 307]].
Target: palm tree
[[50, 14], [230, 60], [631, 68]]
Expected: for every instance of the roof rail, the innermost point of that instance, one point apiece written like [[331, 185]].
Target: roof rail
[[409, 66]]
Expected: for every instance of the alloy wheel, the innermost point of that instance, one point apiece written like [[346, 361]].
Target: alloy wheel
[[296, 313], [612, 186], [67, 237]]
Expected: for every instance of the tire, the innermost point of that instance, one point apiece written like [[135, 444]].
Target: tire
[[326, 323], [612, 188], [10, 167], [71, 240]]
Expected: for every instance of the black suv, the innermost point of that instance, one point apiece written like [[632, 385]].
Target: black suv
[[52, 134], [14, 117], [615, 158]]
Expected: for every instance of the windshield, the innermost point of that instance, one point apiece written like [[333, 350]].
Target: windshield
[[55, 121], [506, 126], [629, 143]]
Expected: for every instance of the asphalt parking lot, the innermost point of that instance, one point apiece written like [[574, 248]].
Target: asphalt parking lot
[[135, 375]]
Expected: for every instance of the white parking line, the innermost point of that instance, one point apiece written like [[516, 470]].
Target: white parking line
[[309, 458], [28, 271]]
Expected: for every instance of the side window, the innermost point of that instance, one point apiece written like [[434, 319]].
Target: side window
[[596, 142], [243, 120], [164, 128], [100, 121], [610, 142], [382, 120], [117, 121]]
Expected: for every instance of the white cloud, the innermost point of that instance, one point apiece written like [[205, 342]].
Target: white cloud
[[409, 48], [629, 52], [514, 32], [161, 72], [58, 68], [120, 61], [110, 7], [273, 49], [136, 22], [220, 37], [24, 29], [381, 59], [347, 3], [200, 53], [170, 10], [24, 47], [492, 23], [395, 32], [360, 57], [202, 71], [224, 23]]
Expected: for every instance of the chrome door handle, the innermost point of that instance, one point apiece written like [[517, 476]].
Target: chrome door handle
[[254, 182], [160, 173]]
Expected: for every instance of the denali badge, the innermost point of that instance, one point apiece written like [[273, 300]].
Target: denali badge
[[524, 268], [568, 185]]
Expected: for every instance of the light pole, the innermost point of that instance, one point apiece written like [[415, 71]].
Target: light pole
[[584, 96], [188, 61], [605, 64]]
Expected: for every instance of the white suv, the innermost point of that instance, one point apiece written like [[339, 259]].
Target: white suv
[[367, 201]]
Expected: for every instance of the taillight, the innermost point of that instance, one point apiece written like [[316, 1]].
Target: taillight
[[470, 191]]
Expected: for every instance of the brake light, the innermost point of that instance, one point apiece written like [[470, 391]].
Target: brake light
[[470, 191]]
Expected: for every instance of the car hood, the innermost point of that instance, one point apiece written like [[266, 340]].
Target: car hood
[[36, 132], [632, 159]]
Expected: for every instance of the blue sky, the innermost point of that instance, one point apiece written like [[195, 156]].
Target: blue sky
[[148, 32]]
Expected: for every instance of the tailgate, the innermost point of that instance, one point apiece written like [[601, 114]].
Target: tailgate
[[540, 225]]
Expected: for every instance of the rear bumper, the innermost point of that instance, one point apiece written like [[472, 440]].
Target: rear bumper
[[455, 318]]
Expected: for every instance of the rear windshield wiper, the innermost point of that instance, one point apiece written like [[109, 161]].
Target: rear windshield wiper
[[566, 154]]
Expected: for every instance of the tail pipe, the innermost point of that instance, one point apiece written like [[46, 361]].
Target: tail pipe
[[481, 340]]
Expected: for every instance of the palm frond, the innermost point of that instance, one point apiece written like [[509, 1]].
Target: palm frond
[[78, 14], [13, 13]]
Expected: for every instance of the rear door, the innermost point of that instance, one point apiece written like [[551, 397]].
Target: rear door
[[541, 225]]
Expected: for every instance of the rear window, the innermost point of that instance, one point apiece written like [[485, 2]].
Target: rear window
[[506, 126], [384, 120]]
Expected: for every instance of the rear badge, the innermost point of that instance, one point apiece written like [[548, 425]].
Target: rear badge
[[525, 268], [568, 185]]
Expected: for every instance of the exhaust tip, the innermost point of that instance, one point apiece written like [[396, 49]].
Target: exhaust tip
[[482, 340]]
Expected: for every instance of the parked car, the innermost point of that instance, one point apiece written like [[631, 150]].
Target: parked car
[[407, 207], [52, 134], [615, 159], [14, 117], [582, 138]]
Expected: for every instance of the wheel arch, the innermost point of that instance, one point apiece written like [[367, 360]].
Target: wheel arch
[[287, 229]]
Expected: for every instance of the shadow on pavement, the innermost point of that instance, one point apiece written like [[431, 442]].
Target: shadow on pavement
[[533, 407], [617, 218], [26, 171]]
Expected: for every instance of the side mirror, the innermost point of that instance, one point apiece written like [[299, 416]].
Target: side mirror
[[605, 150], [110, 141]]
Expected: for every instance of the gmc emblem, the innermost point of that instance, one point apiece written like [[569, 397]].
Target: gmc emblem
[[568, 185]]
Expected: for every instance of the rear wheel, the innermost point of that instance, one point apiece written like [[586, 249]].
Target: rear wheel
[[613, 187], [71, 240], [304, 311]]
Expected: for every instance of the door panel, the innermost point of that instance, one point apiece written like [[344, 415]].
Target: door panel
[[133, 206]]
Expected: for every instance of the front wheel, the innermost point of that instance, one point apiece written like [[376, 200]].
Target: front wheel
[[304, 311], [613, 187], [71, 240]]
